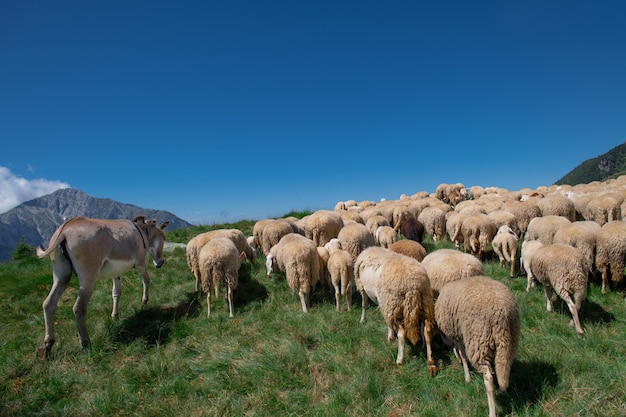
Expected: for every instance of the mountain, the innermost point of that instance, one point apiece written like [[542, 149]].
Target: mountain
[[36, 220], [609, 165]]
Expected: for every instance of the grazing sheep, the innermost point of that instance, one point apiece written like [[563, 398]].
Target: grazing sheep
[[604, 208], [410, 248], [544, 228], [272, 232], [434, 220], [321, 226], [565, 269], [582, 235], [341, 270], [298, 258], [196, 243], [505, 244], [557, 205], [611, 252], [481, 318], [257, 231], [400, 287], [447, 265], [504, 218], [374, 222], [354, 238], [454, 220], [529, 248], [386, 235], [478, 232], [324, 273], [524, 212], [219, 262], [411, 228]]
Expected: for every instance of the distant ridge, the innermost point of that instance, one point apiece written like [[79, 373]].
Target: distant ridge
[[609, 165], [35, 220]]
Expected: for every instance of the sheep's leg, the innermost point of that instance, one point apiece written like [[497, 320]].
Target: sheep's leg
[[605, 278], [491, 392], [572, 308], [401, 343], [349, 297], [465, 362], [337, 297], [391, 335], [363, 305], [303, 301], [116, 293], [229, 295], [427, 332], [548, 291], [208, 303]]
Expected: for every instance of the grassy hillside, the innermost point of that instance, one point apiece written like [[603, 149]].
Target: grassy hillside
[[168, 358], [609, 165]]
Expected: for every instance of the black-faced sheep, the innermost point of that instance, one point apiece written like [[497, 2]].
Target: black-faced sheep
[[341, 270], [611, 252], [481, 318], [410, 248], [447, 265], [565, 269], [505, 244], [298, 258], [400, 287], [219, 262]]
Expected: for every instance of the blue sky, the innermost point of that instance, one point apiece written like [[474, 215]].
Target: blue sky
[[226, 110]]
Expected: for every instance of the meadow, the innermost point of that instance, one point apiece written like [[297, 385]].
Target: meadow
[[168, 359]]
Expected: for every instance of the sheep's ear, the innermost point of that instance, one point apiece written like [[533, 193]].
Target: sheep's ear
[[242, 256]]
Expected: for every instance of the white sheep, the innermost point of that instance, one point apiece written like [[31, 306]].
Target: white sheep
[[219, 262], [400, 287], [386, 235], [505, 245], [454, 220], [341, 270], [556, 204], [611, 252], [410, 248], [374, 222], [447, 265], [524, 212], [580, 234], [478, 231], [434, 220], [544, 228], [529, 248], [272, 232], [355, 237], [565, 269], [321, 226], [298, 258], [481, 318]]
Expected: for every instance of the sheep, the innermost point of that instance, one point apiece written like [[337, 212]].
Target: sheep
[[434, 220], [481, 318], [298, 258], [524, 212], [557, 205], [219, 262], [341, 270], [447, 265], [454, 220], [505, 245], [478, 232], [604, 208], [321, 226], [272, 232], [502, 218], [400, 286], [529, 248], [565, 269], [411, 228], [374, 222], [257, 231], [386, 235], [196, 243], [354, 238], [582, 235], [611, 252], [410, 248], [544, 228], [324, 255]]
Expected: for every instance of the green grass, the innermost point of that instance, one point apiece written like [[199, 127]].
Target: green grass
[[168, 358]]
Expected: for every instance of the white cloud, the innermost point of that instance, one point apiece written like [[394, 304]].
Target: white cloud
[[15, 190]]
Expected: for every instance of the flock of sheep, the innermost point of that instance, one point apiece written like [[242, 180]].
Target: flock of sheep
[[567, 235]]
